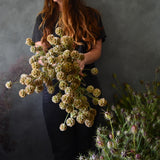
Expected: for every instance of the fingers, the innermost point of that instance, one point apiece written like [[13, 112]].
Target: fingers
[[40, 61], [81, 65], [81, 69], [38, 44], [43, 45], [81, 73]]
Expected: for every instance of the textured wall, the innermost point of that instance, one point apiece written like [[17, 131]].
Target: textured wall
[[17, 18], [131, 50]]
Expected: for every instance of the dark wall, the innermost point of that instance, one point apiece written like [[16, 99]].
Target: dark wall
[[131, 50]]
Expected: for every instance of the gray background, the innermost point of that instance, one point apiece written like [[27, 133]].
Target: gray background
[[131, 50]]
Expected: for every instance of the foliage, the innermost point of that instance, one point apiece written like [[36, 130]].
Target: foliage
[[133, 124]]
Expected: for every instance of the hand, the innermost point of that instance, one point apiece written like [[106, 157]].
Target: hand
[[81, 65], [43, 45], [40, 61], [39, 43]]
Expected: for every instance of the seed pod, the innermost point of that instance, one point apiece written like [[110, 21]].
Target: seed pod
[[102, 102], [134, 129], [22, 93], [96, 92], [70, 122], [107, 115], [94, 71], [62, 127], [8, 84], [29, 42], [90, 89]]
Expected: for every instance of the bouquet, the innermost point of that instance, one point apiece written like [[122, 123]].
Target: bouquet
[[60, 62]]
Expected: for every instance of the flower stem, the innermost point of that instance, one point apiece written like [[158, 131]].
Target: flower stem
[[106, 154], [134, 141], [115, 146], [66, 117]]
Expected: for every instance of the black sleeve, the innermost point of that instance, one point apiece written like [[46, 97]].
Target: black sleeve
[[102, 34], [37, 33]]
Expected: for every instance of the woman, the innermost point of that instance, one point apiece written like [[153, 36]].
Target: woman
[[84, 25]]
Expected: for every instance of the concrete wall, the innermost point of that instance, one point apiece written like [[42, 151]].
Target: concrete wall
[[131, 50]]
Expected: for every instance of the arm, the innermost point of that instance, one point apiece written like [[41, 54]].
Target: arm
[[93, 55]]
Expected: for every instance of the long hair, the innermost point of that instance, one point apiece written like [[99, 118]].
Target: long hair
[[79, 21]]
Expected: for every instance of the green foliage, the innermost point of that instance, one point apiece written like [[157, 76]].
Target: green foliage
[[134, 130]]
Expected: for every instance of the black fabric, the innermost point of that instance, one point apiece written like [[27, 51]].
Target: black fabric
[[37, 33], [102, 34], [78, 139]]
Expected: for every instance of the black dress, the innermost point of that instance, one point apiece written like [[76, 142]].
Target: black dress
[[78, 139]]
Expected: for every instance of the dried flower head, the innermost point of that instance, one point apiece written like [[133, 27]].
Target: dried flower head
[[67, 53], [90, 89], [62, 106], [50, 89], [29, 89], [35, 65], [89, 123], [80, 118], [33, 49], [94, 71], [63, 85], [8, 84], [56, 41], [108, 115], [102, 102], [55, 99], [67, 67], [96, 92], [74, 113], [93, 111], [69, 108], [66, 99], [50, 39], [95, 101], [100, 143], [70, 122], [29, 42], [58, 49], [39, 89], [110, 144], [22, 93], [35, 73], [61, 76], [67, 42], [75, 55], [134, 129], [77, 103], [62, 127], [22, 78], [59, 31]]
